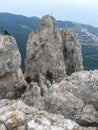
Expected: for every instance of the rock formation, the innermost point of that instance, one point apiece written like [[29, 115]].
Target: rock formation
[[11, 77], [15, 115], [56, 101], [51, 53], [61, 100], [75, 97], [71, 51], [84, 85]]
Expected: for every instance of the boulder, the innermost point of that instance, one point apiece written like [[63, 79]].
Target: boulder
[[84, 85], [61, 101]]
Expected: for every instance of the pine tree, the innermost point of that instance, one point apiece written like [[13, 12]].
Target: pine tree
[[5, 32]]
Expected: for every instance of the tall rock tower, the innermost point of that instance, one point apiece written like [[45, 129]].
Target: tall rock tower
[[11, 76], [46, 52], [43, 53], [71, 51]]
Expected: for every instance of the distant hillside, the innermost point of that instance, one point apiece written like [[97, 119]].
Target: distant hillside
[[87, 34], [20, 26]]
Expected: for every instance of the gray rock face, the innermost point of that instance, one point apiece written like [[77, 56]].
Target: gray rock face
[[84, 85], [32, 94], [15, 115], [71, 51], [10, 72], [75, 97], [10, 58], [45, 52], [61, 101]]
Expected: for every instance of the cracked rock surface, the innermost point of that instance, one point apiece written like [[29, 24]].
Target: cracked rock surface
[[15, 115]]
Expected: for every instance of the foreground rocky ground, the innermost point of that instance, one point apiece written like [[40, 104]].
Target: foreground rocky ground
[[15, 115], [47, 98], [62, 107]]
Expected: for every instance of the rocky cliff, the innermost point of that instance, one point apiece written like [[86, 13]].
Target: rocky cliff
[[51, 53], [10, 72]]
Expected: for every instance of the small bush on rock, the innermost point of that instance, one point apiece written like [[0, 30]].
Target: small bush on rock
[[49, 76], [28, 79]]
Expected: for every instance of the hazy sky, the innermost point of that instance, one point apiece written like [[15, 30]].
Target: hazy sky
[[83, 11]]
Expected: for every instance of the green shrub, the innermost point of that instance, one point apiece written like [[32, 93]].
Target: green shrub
[[28, 79], [5, 32], [49, 76]]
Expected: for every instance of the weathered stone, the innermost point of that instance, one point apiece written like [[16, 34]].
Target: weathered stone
[[72, 51], [16, 115], [47, 60], [48, 52], [10, 58], [2, 126], [60, 101], [10, 61], [44, 84], [84, 85], [32, 94], [14, 120]]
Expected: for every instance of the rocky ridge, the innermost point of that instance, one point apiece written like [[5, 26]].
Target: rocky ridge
[[51, 99]]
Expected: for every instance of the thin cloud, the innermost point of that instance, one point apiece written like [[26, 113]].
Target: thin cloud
[[84, 11]]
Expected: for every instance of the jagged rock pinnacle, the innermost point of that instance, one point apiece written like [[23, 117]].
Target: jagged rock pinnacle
[[51, 52]]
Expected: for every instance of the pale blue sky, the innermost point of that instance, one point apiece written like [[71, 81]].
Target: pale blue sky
[[83, 11]]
